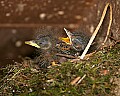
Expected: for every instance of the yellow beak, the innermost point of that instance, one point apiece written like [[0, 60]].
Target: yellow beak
[[66, 40], [32, 43]]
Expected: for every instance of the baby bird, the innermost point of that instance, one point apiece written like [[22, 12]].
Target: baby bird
[[46, 46], [50, 45], [42, 42], [78, 40]]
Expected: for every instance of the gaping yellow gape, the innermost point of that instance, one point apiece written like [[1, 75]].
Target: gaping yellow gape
[[66, 40]]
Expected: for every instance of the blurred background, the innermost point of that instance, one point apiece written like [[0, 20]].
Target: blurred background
[[19, 20]]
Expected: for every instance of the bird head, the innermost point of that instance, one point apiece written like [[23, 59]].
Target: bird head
[[77, 40], [42, 43]]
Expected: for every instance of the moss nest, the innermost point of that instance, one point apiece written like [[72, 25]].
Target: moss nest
[[101, 70]]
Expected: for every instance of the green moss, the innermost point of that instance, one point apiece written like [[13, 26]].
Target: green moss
[[55, 81]]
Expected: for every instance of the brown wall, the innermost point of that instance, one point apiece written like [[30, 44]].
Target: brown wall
[[19, 19]]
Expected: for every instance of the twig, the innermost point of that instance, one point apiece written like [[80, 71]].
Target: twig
[[73, 82], [112, 38], [117, 41], [97, 28], [81, 79], [19, 71], [64, 55], [110, 22], [77, 80], [11, 70]]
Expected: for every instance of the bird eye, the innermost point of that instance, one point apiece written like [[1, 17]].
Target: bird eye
[[44, 43]]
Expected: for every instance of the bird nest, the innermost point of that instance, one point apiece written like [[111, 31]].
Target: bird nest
[[96, 76]]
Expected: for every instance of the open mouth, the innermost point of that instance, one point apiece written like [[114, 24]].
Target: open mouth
[[67, 40]]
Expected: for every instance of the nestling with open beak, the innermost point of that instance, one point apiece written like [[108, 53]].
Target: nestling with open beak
[[48, 47], [78, 40]]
